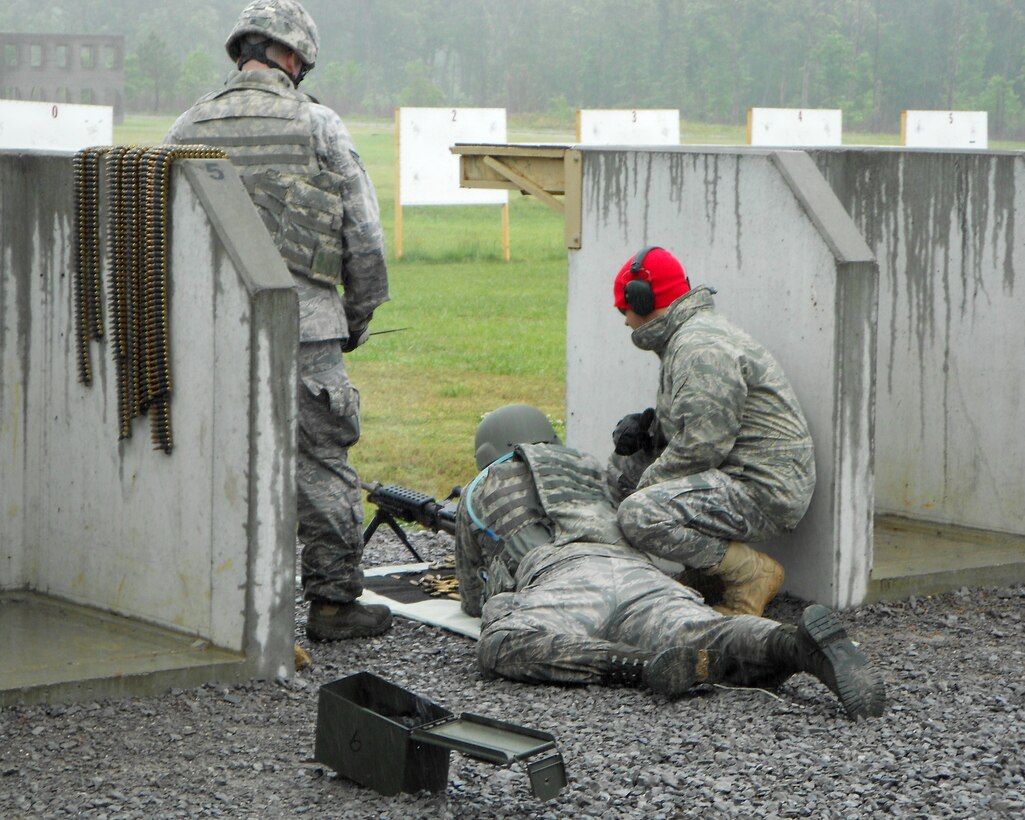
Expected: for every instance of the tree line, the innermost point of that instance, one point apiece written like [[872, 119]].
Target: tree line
[[711, 59]]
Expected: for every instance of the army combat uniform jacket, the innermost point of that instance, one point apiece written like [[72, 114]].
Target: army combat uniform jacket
[[738, 462], [300, 166]]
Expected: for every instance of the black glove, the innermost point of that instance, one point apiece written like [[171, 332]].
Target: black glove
[[357, 336], [633, 433]]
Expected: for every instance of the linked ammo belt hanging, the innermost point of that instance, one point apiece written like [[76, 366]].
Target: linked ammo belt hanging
[[138, 180]]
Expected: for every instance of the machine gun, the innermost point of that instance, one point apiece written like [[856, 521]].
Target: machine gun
[[395, 502]]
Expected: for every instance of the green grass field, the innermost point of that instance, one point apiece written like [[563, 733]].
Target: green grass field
[[481, 332]]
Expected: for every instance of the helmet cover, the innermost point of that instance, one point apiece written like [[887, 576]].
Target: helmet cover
[[284, 21], [502, 429]]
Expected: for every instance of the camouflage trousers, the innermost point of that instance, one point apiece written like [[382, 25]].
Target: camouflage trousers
[[691, 520], [329, 499], [580, 609]]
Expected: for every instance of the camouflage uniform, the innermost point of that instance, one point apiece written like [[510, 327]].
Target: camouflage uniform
[[563, 594], [738, 465], [298, 163]]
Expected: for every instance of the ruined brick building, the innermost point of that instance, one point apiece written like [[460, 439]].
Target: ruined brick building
[[63, 68]]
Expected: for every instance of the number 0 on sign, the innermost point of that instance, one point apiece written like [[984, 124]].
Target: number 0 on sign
[[49, 126]]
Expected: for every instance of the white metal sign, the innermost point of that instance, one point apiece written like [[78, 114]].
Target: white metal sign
[[944, 129], [428, 170], [794, 127], [54, 126], [637, 126]]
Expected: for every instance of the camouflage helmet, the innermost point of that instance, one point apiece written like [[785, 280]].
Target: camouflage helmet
[[284, 21], [504, 428]]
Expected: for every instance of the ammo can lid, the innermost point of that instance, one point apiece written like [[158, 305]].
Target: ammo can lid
[[496, 741]]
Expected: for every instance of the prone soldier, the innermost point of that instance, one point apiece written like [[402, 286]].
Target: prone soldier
[[564, 599]]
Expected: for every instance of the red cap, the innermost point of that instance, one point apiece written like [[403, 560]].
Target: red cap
[[664, 271]]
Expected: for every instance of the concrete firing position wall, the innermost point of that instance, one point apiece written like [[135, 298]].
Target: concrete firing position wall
[[202, 540], [948, 235], [791, 268]]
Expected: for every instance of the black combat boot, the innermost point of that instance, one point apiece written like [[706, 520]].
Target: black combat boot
[[671, 672], [339, 622], [819, 646]]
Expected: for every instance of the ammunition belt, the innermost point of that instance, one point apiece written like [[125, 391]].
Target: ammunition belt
[[137, 248], [88, 319]]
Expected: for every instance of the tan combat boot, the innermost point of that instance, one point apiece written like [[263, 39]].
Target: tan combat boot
[[751, 580]]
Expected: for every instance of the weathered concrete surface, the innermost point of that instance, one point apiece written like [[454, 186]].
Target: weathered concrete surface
[[200, 542], [948, 364], [915, 556], [947, 231], [791, 268], [55, 650]]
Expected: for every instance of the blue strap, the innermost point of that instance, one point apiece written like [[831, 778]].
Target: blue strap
[[469, 497]]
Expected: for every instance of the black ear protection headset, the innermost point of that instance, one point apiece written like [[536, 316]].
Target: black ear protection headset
[[638, 293]]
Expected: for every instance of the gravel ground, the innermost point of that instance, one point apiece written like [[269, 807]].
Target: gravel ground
[[952, 743]]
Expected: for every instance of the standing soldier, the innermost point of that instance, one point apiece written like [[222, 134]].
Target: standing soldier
[[300, 167]]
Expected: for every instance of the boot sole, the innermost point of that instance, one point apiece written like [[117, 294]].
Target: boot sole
[[858, 685]]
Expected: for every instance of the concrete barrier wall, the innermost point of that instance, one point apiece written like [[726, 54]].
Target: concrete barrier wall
[[791, 268], [947, 231], [202, 540]]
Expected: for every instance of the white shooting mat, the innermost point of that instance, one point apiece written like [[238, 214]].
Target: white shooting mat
[[48, 126], [428, 170], [794, 127], [628, 126], [443, 612], [944, 129]]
